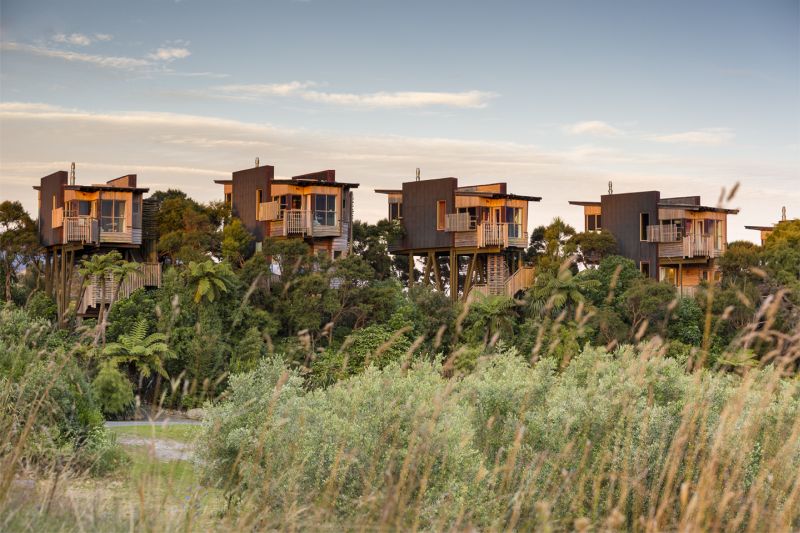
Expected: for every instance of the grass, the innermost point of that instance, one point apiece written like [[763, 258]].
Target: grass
[[185, 433]]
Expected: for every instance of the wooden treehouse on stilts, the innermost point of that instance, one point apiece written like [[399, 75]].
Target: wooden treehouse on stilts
[[470, 239], [78, 221]]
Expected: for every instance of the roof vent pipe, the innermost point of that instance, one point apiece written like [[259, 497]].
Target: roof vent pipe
[[610, 188], [72, 174], [257, 162], [417, 173], [783, 213]]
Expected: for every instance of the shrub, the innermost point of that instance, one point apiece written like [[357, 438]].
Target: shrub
[[113, 390]]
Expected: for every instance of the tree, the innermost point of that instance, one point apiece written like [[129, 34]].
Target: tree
[[738, 262], [113, 390], [236, 242], [371, 243], [209, 280], [187, 229], [593, 246], [615, 275], [647, 301], [96, 269], [553, 292], [19, 241], [490, 316], [147, 353], [547, 244]]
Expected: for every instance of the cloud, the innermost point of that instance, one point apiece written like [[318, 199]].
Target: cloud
[[703, 137], [114, 62], [156, 59], [172, 150], [79, 39], [400, 99], [593, 127], [169, 54]]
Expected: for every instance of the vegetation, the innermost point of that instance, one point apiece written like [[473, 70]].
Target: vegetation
[[333, 396]]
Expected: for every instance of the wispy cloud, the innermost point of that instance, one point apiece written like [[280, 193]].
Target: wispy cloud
[[186, 151], [593, 127], [703, 137], [169, 54], [158, 58], [80, 39], [305, 90], [115, 62]]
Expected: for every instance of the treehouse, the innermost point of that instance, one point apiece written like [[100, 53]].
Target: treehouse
[[479, 230], [77, 221], [313, 207], [677, 240]]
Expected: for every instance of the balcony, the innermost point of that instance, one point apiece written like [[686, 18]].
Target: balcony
[[268, 211], [663, 233], [501, 234], [459, 222], [88, 230], [691, 246], [305, 223]]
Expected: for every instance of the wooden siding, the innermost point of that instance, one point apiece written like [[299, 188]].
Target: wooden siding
[[50, 186], [621, 217], [245, 184], [419, 212]]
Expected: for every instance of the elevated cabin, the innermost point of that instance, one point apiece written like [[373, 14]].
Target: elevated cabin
[[480, 227], [77, 221], [671, 239], [766, 231], [313, 207]]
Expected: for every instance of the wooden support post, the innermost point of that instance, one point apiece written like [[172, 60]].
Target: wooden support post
[[410, 270], [426, 274], [680, 279], [470, 275], [437, 274], [453, 275]]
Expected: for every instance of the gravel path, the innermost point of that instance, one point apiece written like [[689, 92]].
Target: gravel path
[[161, 449]]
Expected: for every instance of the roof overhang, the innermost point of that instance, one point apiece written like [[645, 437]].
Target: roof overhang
[[311, 182], [224, 182], [499, 196], [389, 191], [691, 207], [760, 228], [585, 204], [94, 188]]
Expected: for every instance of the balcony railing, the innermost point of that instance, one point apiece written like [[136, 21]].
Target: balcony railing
[[501, 234], [459, 222], [306, 223], [663, 233], [149, 275], [691, 246], [80, 229], [269, 211]]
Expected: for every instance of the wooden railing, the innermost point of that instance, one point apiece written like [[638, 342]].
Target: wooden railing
[[149, 275], [501, 234], [459, 222], [303, 222], [57, 217], [80, 229], [269, 211], [693, 246], [663, 233], [520, 280]]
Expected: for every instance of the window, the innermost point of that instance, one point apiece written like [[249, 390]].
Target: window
[[54, 201], [705, 275], [112, 215], [79, 208], [228, 198], [441, 207], [396, 211], [644, 267], [514, 220], [593, 222], [717, 275], [325, 209], [297, 201], [281, 200], [644, 221], [670, 274], [259, 196]]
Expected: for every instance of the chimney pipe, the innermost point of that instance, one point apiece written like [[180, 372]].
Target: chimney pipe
[[417, 173], [610, 188], [783, 213], [257, 162], [72, 174]]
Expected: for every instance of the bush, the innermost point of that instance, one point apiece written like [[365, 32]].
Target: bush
[[605, 440], [113, 390], [42, 306]]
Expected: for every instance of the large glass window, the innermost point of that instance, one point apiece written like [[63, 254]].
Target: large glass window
[[396, 211], [473, 215], [514, 220], [282, 205], [79, 208], [593, 222], [325, 209], [112, 215], [644, 221]]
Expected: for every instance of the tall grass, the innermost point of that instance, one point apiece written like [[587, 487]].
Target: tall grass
[[623, 438]]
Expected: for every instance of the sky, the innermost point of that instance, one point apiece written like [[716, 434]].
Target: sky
[[556, 98]]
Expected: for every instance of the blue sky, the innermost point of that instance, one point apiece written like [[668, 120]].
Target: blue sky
[[555, 97]]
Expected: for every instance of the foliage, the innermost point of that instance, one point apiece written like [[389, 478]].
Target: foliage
[[147, 353], [210, 280], [40, 305], [19, 242], [593, 246], [236, 242], [112, 389]]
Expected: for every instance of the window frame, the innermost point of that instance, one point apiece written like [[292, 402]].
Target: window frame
[[328, 211], [642, 269], [643, 226], [441, 214]]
